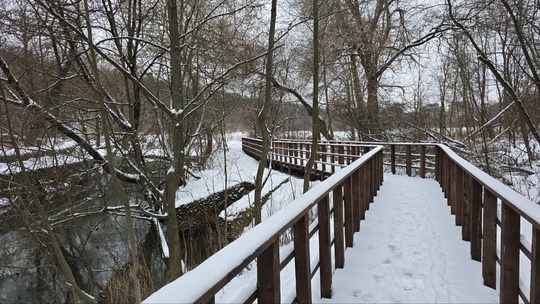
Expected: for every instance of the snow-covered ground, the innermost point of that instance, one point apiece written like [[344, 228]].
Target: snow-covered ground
[[409, 251]]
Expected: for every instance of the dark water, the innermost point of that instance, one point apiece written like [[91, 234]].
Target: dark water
[[96, 246]]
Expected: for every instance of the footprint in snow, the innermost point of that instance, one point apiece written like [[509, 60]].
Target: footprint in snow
[[378, 278], [373, 247]]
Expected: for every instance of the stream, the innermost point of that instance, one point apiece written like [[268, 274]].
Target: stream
[[96, 246]]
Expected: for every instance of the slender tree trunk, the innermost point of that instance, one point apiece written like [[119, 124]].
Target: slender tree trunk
[[175, 177], [263, 114], [315, 129], [132, 237]]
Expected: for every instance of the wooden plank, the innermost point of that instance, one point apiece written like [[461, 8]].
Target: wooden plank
[[535, 266], [452, 187], [476, 220], [302, 261], [339, 242], [349, 219], [268, 286], [510, 241], [325, 256], [489, 240]]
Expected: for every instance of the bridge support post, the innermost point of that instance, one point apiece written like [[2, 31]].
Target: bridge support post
[[302, 261], [268, 285], [357, 203], [325, 256], [476, 220], [349, 218], [422, 161], [489, 240], [339, 244], [393, 158], [510, 242], [466, 196], [408, 160], [364, 200]]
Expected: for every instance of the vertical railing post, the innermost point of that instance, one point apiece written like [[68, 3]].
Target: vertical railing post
[[408, 160], [302, 261], [393, 158], [348, 207], [333, 158], [476, 220], [448, 177], [339, 244], [364, 199], [341, 152], [325, 256], [489, 240], [466, 208], [535, 266], [356, 199], [510, 241], [457, 194], [422, 161], [452, 186], [437, 163], [268, 270], [381, 168]]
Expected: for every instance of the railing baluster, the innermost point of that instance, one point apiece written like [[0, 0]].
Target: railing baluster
[[510, 242], [489, 240], [356, 200], [457, 194], [393, 158], [466, 208], [422, 161], [349, 219], [476, 220], [535, 266], [364, 200], [325, 257], [339, 244], [302, 261], [268, 285], [408, 160]]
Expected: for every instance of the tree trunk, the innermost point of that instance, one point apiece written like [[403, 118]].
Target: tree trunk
[[175, 177], [261, 118], [315, 129]]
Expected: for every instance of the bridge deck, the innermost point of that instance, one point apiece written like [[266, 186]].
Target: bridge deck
[[409, 250]]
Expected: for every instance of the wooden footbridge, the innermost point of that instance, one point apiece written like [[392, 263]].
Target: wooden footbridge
[[501, 226]]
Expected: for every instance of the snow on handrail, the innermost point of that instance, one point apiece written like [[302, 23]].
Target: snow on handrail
[[525, 207]]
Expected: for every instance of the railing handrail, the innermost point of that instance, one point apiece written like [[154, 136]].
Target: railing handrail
[[522, 205], [233, 258]]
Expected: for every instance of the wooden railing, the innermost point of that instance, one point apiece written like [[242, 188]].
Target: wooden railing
[[352, 174], [414, 159], [344, 196], [475, 197]]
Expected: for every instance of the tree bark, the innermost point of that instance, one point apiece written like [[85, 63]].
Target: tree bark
[[263, 114]]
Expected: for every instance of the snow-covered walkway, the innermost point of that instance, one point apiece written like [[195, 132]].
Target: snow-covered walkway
[[409, 250]]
